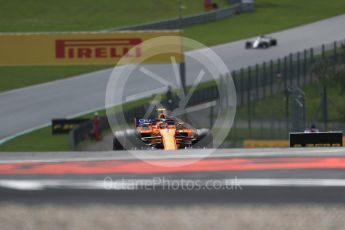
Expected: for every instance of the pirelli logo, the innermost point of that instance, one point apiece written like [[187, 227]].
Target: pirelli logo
[[97, 48], [89, 48]]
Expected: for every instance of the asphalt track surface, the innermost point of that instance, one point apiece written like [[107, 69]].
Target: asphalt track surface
[[242, 188], [28, 108], [227, 175]]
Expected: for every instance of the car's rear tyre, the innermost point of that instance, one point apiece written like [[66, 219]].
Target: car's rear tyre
[[127, 140], [273, 42], [118, 141], [204, 139], [133, 140], [264, 45]]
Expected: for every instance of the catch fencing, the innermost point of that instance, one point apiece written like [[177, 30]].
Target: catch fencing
[[283, 78]]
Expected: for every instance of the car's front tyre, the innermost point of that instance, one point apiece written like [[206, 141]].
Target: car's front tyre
[[204, 139], [248, 45], [273, 42]]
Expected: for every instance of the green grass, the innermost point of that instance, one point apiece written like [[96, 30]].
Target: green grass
[[274, 107], [16, 77], [240, 134], [86, 15], [40, 140], [78, 15]]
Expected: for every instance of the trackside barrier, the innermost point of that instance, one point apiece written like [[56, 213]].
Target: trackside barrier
[[193, 19], [321, 139], [265, 143]]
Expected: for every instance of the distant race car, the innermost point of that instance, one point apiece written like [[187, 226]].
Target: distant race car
[[164, 132], [262, 42]]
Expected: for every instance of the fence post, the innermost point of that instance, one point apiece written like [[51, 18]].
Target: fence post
[[335, 52], [236, 82], [323, 50], [264, 74], [271, 77], [305, 67], [249, 102], [212, 114], [334, 56], [287, 102], [311, 63], [222, 105], [298, 68], [242, 86], [285, 72], [256, 82], [290, 69], [72, 141], [279, 66], [279, 75], [312, 55], [234, 129]]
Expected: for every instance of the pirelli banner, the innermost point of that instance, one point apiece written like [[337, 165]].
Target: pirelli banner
[[84, 48]]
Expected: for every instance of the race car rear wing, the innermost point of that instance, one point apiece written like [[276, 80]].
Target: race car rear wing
[[143, 121]]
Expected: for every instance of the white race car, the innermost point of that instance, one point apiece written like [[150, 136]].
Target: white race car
[[261, 42]]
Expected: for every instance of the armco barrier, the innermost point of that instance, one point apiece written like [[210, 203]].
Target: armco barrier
[[193, 19]]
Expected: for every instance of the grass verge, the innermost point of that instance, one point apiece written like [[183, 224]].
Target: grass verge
[[39, 140], [87, 15], [17, 77]]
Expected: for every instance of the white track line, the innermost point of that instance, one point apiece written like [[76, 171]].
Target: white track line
[[140, 184], [183, 155]]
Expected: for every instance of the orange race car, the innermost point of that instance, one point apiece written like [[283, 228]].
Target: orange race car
[[163, 132]]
